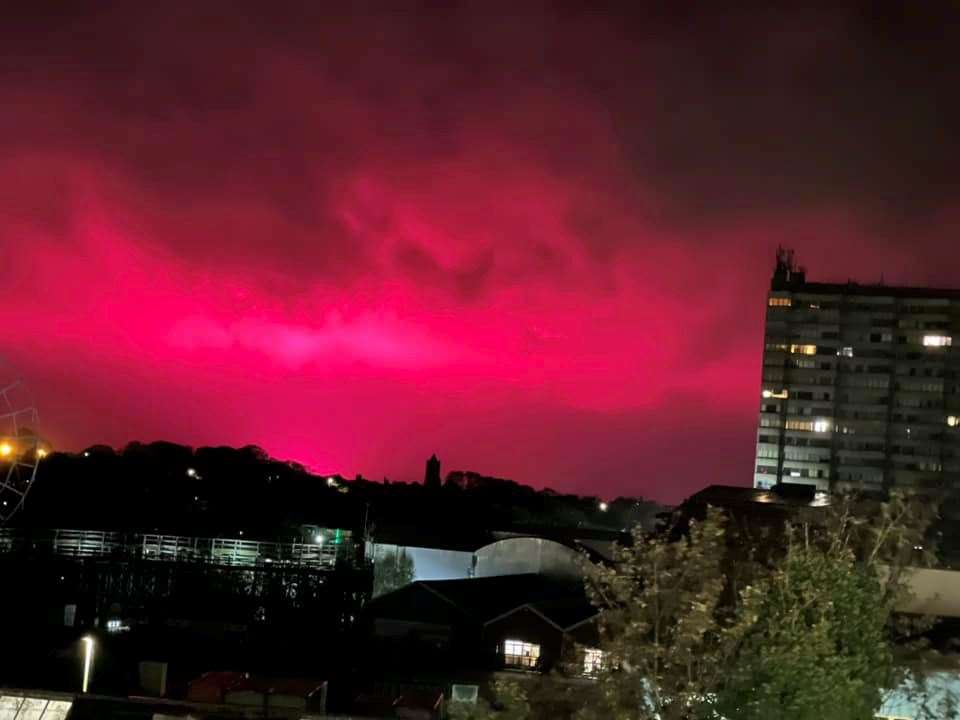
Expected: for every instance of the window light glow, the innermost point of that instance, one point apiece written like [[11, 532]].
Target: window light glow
[[937, 341], [779, 302], [803, 349], [821, 426], [781, 395], [953, 420], [594, 661], [520, 654], [116, 626]]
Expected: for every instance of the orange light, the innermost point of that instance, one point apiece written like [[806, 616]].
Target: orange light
[[41, 453], [5, 449]]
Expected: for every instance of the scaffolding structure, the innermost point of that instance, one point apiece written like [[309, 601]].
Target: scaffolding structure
[[229, 552]]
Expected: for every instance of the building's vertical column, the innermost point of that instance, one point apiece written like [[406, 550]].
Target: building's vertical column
[[838, 383], [892, 390]]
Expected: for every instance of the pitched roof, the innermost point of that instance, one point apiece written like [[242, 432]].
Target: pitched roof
[[224, 682], [481, 600], [787, 495]]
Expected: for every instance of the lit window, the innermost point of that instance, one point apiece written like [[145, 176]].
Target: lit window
[[520, 654], [953, 420], [779, 302], [781, 395], [937, 341], [114, 626], [800, 425], [794, 473], [803, 349], [594, 661], [821, 426], [845, 352]]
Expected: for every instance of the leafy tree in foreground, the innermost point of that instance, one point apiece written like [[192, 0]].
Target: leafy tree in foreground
[[824, 641], [813, 634], [510, 703], [668, 637], [392, 571], [819, 647]]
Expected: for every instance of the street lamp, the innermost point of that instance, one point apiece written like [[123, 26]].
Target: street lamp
[[87, 661], [603, 507], [6, 449]]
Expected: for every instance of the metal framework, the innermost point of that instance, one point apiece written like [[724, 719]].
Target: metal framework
[[184, 581], [20, 447], [231, 552]]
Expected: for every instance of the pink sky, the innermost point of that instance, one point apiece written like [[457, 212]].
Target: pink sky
[[357, 248]]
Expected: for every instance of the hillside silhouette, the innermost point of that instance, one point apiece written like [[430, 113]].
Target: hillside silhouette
[[224, 491]]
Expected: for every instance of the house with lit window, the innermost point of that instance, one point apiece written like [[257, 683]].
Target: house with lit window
[[452, 634]]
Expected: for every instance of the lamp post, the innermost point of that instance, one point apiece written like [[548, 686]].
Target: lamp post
[[87, 661]]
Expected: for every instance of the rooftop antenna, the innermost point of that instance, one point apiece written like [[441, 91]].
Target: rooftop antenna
[[786, 268]]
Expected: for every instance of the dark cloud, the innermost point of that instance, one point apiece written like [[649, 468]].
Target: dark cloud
[[563, 207], [718, 111]]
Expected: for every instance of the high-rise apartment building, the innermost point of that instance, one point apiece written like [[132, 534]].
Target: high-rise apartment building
[[861, 385]]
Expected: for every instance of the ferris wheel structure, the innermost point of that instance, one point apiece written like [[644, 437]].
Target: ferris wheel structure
[[21, 448]]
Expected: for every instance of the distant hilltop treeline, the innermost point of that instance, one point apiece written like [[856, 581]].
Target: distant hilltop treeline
[[225, 491]]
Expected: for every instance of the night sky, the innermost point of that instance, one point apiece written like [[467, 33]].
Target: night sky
[[534, 242]]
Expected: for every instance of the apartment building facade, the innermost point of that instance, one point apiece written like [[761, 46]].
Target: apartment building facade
[[860, 386]]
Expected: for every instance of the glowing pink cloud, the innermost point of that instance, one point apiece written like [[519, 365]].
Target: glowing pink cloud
[[523, 248]]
